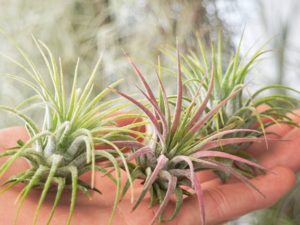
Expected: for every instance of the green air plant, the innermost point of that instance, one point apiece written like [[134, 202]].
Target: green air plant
[[180, 144], [63, 146], [242, 110], [257, 111]]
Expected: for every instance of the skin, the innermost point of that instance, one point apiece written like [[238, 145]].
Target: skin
[[223, 202]]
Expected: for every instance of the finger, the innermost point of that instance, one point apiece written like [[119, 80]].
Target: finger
[[8, 139], [205, 176], [284, 153], [10, 136], [229, 201], [212, 183]]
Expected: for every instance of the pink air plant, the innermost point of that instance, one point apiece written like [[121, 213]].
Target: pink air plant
[[180, 145]]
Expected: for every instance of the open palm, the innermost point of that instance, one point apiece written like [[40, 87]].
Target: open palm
[[223, 201]]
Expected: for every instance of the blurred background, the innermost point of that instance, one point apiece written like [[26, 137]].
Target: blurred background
[[86, 29]]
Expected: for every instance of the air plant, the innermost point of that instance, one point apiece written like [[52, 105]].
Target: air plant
[[63, 147], [183, 143], [243, 109], [256, 111]]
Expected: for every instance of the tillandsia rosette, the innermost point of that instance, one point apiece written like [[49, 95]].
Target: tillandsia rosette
[[258, 110], [66, 145], [183, 142], [243, 109]]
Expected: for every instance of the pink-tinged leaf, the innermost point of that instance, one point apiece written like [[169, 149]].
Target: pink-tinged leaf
[[231, 131], [142, 78], [195, 184], [200, 198], [161, 163], [142, 151], [205, 101], [209, 115], [172, 182], [178, 107], [158, 112], [223, 168], [151, 96], [204, 154], [186, 159], [229, 141], [218, 135], [145, 110]]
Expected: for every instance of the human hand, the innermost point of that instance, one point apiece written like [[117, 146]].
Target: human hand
[[223, 201]]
